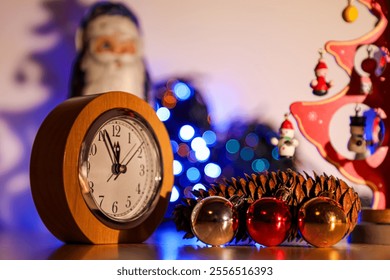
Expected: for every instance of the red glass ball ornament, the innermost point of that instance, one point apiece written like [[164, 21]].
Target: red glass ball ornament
[[322, 222], [268, 221]]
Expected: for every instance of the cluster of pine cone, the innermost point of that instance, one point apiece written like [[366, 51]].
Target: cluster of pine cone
[[301, 188]]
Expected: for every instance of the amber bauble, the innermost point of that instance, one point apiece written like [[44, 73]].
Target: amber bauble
[[268, 221], [322, 222], [350, 13], [214, 220]]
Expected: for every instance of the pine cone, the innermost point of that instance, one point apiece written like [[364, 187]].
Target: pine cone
[[266, 184]]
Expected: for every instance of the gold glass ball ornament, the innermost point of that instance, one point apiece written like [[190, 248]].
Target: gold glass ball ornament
[[214, 220], [322, 222]]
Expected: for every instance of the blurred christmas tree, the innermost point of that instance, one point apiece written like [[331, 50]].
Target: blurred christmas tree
[[201, 154]]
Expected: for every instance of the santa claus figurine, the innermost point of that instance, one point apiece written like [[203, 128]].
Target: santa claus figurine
[[286, 142], [110, 53], [320, 85]]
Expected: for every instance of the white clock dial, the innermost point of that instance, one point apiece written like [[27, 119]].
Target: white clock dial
[[120, 168]]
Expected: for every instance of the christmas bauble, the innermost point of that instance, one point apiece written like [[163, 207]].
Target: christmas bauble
[[214, 220], [322, 222], [350, 13], [268, 221]]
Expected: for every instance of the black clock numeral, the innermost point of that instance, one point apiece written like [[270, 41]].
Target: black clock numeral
[[91, 185], [129, 137], [142, 170], [101, 136], [114, 207], [128, 202], [116, 129], [139, 153], [88, 167], [93, 150], [101, 197]]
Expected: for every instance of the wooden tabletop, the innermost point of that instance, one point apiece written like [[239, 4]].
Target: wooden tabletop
[[167, 243]]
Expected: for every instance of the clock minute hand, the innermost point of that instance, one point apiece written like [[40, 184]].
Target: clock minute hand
[[114, 148], [110, 149]]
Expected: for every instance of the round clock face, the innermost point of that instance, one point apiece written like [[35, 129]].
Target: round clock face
[[120, 168]]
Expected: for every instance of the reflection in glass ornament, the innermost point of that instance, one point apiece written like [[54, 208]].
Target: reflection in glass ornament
[[268, 221], [214, 220], [322, 222]]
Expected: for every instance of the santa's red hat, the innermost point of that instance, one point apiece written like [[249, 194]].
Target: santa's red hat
[[286, 124], [321, 65]]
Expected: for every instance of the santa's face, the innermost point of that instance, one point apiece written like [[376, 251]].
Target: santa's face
[[285, 132], [321, 72], [113, 57], [113, 39]]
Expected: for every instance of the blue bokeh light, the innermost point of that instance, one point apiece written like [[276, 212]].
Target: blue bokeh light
[[209, 137], [186, 132], [163, 114], [260, 165], [182, 91], [199, 186], [247, 153], [203, 154], [232, 146], [275, 153], [198, 143], [174, 194], [252, 139], [212, 170], [175, 146], [193, 174], [177, 167]]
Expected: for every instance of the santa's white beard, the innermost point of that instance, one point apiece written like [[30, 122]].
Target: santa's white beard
[[111, 72]]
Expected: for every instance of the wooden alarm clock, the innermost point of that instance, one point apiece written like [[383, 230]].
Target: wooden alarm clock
[[101, 169]]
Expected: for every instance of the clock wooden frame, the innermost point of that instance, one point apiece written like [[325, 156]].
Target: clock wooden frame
[[54, 170]]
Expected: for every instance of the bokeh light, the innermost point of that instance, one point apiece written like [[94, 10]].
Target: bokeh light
[[174, 194], [260, 165], [177, 167], [247, 153], [186, 132], [163, 114], [198, 143], [212, 170], [232, 146], [182, 91], [198, 186], [202, 155], [193, 174], [252, 139], [209, 137]]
